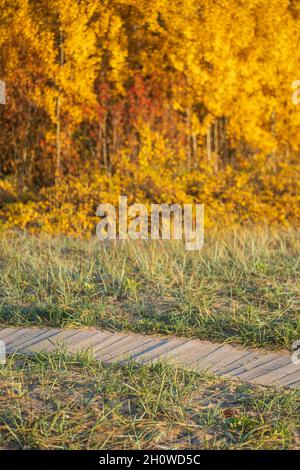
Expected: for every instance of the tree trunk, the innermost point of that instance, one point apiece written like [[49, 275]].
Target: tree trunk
[[208, 142], [58, 115], [216, 145], [104, 142], [188, 134]]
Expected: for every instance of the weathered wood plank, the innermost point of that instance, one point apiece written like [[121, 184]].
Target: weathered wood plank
[[189, 351], [263, 369], [190, 357], [116, 348], [212, 358], [87, 341], [228, 360], [52, 343], [288, 380], [6, 332], [257, 360], [238, 364], [157, 350], [277, 376], [107, 342], [127, 353], [220, 359], [37, 338], [25, 336]]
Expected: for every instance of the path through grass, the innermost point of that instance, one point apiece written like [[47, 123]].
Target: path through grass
[[242, 287]]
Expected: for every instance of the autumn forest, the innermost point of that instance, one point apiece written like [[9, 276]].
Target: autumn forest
[[129, 320], [182, 101]]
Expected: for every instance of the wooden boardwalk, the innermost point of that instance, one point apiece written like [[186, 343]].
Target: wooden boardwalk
[[255, 366]]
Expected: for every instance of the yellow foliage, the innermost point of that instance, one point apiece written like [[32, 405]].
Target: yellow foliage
[[183, 101]]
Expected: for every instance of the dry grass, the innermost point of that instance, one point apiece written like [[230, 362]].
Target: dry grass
[[242, 287], [61, 402]]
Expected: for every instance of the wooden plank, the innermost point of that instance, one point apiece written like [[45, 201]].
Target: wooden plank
[[127, 353], [151, 351], [107, 342], [279, 374], [187, 352], [14, 336], [161, 351], [256, 360], [236, 356], [190, 357], [293, 385], [87, 340], [17, 336], [6, 332], [73, 338], [114, 349], [50, 344], [35, 339], [263, 369], [212, 358], [129, 349], [154, 349], [136, 352], [73, 342], [24, 336], [290, 379], [220, 359], [238, 364]]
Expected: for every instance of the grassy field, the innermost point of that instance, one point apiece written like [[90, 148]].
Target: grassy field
[[61, 402], [243, 287]]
